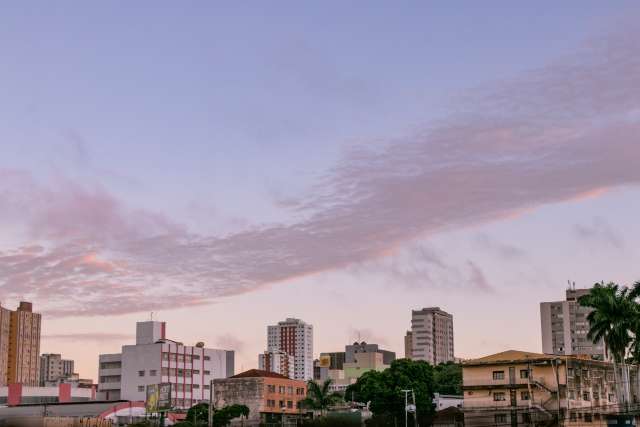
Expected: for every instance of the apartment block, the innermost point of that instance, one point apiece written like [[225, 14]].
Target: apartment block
[[155, 359], [278, 362], [523, 388], [20, 346], [53, 368], [294, 337], [408, 344], [432, 335], [565, 327]]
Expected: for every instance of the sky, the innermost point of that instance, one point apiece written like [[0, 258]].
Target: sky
[[225, 166]]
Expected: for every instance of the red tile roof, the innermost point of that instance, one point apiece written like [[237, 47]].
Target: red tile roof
[[257, 373]]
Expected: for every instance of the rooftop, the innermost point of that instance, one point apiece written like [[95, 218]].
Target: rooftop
[[257, 373]]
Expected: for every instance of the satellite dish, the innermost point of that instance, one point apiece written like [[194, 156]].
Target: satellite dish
[[200, 344]]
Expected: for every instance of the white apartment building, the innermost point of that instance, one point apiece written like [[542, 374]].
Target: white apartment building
[[278, 362], [565, 327], [432, 335], [54, 368], [154, 359], [294, 337]]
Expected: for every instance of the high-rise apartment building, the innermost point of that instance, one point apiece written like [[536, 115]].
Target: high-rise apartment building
[[54, 368], [408, 338], [20, 345], [154, 359], [565, 327], [294, 337], [432, 335], [278, 362]]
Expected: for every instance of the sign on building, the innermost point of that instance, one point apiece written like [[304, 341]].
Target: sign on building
[[158, 397]]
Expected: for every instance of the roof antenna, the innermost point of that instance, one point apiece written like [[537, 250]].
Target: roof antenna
[[152, 316]]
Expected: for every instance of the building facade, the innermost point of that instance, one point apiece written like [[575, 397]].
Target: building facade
[[154, 359], [432, 335], [294, 337], [270, 397], [522, 388], [53, 368], [565, 327], [276, 361], [351, 352], [20, 346], [408, 344]]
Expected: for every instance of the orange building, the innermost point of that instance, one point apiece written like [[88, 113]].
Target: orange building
[[269, 396], [23, 358]]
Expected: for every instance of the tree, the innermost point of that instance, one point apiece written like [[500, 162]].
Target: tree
[[614, 320], [320, 397], [447, 379], [198, 415], [383, 390]]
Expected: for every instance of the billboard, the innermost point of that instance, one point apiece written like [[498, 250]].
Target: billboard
[[325, 361], [158, 397]]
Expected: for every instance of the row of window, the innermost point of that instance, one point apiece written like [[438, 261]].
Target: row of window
[[173, 372], [499, 375], [285, 390], [180, 357], [179, 388], [282, 404]]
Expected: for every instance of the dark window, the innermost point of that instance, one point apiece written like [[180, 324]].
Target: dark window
[[498, 375]]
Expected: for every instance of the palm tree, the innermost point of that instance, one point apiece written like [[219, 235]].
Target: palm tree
[[614, 319], [319, 396]]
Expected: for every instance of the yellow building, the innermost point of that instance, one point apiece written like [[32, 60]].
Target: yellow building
[[23, 361], [521, 388]]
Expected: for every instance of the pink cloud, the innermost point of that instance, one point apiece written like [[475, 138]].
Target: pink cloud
[[555, 134]]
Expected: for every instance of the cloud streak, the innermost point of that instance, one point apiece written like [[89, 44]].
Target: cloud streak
[[558, 133]]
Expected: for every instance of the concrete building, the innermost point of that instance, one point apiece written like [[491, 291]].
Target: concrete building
[[565, 327], [278, 362], [294, 337], [155, 359], [17, 394], [351, 352], [408, 343], [20, 347], [432, 335], [521, 388], [271, 398], [54, 368], [335, 359]]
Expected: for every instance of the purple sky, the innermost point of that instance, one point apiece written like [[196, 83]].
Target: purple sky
[[227, 167]]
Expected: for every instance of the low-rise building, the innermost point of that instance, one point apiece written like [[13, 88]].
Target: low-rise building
[[270, 397], [18, 394], [518, 387], [154, 359]]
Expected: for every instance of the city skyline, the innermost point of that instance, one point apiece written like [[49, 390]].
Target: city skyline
[[334, 163]]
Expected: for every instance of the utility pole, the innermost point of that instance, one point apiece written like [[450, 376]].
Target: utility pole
[[210, 415]]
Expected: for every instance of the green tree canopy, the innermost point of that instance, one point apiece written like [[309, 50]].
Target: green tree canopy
[[384, 389], [319, 396], [447, 378]]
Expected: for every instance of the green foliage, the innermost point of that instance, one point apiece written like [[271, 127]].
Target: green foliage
[[615, 318], [384, 389], [319, 396], [198, 415], [447, 378], [335, 420]]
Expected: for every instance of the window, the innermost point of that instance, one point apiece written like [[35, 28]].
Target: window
[[500, 418], [524, 395], [207, 358], [588, 418], [152, 373], [289, 404], [196, 372], [195, 357], [498, 397], [498, 375], [207, 372], [196, 386], [141, 373], [271, 388], [165, 356], [282, 403], [206, 387], [289, 390], [585, 396], [524, 373], [140, 388], [281, 389], [526, 418]]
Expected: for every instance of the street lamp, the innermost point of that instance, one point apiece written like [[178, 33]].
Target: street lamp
[[409, 407]]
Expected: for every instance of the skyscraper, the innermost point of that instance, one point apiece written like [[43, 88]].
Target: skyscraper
[[565, 327], [276, 361], [294, 337], [54, 368], [432, 335], [24, 346]]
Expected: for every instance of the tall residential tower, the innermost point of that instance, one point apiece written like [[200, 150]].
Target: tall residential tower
[[565, 327], [294, 337], [432, 335]]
